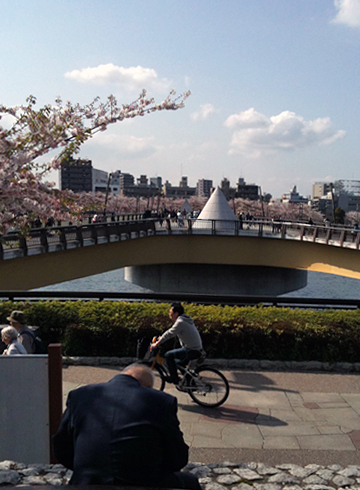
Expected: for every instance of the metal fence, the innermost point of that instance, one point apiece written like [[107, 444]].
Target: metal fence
[[44, 240], [205, 299]]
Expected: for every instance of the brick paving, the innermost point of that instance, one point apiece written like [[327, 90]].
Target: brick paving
[[269, 417]]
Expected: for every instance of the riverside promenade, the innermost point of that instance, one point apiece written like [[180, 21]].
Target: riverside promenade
[[271, 417]]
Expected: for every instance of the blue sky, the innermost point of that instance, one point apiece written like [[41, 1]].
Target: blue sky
[[275, 83]]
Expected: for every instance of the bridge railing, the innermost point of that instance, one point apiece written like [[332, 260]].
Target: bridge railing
[[43, 240], [50, 239], [266, 227]]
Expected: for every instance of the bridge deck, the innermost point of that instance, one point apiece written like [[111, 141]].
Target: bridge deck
[[50, 256]]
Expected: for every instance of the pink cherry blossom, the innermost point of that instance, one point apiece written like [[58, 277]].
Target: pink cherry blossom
[[24, 194]]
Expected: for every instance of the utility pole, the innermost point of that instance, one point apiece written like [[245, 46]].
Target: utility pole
[[107, 194], [332, 201], [261, 202]]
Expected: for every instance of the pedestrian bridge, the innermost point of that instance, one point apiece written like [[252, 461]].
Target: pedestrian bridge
[[54, 255]]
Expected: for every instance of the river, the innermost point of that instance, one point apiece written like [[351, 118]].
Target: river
[[327, 286]]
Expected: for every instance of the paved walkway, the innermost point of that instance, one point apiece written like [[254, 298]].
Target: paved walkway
[[269, 417]]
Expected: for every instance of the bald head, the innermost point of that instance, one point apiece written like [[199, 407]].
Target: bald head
[[142, 373]]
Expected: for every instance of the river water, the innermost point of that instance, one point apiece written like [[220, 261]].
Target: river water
[[327, 286]]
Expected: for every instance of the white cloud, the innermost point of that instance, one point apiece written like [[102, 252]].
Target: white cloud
[[249, 118], [129, 78], [348, 12], [256, 133], [203, 113]]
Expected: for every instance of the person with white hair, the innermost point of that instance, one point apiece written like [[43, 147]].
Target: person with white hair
[[26, 336], [9, 336]]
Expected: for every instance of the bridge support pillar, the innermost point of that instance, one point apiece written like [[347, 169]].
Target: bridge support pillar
[[216, 278]]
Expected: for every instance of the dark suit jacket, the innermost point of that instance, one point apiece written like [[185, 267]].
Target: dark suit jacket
[[120, 433]]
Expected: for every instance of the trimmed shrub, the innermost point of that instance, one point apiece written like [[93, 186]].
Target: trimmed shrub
[[111, 328]]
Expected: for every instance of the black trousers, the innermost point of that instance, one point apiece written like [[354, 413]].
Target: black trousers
[[177, 357]]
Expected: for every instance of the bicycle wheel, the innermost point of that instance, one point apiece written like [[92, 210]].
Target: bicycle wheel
[[209, 387], [159, 382]]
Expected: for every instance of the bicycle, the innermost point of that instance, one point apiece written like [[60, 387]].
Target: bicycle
[[206, 385]]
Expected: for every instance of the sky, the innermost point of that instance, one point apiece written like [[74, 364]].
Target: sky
[[274, 83]]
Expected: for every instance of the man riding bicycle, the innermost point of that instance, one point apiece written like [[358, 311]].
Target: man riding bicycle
[[189, 337]]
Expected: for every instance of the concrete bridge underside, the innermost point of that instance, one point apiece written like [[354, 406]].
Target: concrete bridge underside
[[254, 253]]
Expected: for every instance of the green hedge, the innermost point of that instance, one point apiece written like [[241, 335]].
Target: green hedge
[[112, 329]]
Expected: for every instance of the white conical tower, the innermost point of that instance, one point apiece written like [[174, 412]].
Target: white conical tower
[[217, 208], [186, 207]]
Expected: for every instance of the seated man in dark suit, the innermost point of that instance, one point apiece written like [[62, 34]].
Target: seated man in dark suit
[[123, 433]]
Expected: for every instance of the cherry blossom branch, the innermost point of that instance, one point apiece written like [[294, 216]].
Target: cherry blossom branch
[[65, 127]]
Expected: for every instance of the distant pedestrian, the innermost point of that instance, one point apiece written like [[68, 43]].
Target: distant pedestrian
[[180, 219], [50, 222], [241, 219], [26, 336], [9, 336], [37, 223]]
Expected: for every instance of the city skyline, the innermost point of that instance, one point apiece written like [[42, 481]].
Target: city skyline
[[274, 84], [107, 178], [111, 180]]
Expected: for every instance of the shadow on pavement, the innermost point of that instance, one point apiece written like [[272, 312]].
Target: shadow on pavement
[[235, 414], [249, 381]]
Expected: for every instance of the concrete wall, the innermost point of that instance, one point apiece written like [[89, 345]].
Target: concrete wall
[[24, 409], [217, 279]]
